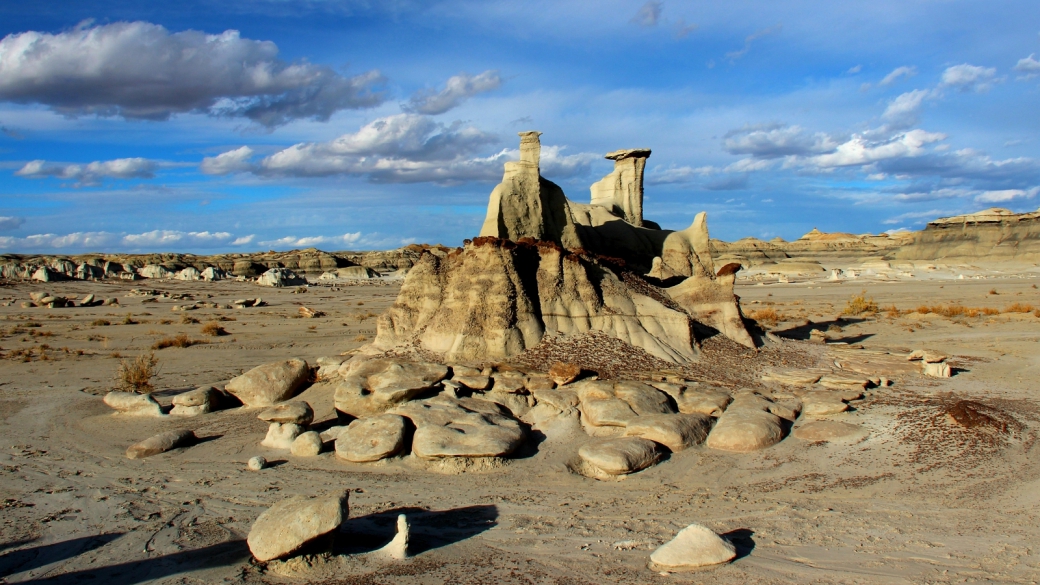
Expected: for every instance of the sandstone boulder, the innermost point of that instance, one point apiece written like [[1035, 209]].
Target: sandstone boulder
[[160, 443], [696, 399], [621, 456], [256, 463], [461, 427], [937, 369], [564, 373], [372, 438], [288, 525], [198, 401], [279, 277], [694, 546], [133, 404], [295, 411], [281, 436], [675, 431], [374, 386], [747, 425], [270, 383], [306, 445]]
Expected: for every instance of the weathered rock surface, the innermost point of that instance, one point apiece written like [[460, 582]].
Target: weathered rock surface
[[605, 403], [306, 445], [563, 373], [675, 431], [133, 404], [198, 401], [160, 443], [281, 436], [621, 191], [829, 430], [621, 456], [290, 524], [374, 386], [694, 546], [279, 277], [372, 438], [747, 425], [269, 383], [696, 399], [295, 411], [461, 427], [256, 463], [936, 370]]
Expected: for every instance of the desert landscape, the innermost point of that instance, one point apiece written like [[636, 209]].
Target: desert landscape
[[572, 396]]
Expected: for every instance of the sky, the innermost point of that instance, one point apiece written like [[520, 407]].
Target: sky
[[244, 125]]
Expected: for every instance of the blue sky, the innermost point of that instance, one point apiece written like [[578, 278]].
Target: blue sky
[[273, 124]]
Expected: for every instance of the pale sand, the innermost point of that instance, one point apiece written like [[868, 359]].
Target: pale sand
[[908, 505]]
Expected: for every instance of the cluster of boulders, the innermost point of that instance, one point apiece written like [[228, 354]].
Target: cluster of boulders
[[51, 301]]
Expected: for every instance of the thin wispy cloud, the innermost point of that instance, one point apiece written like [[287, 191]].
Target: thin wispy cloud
[[733, 56], [456, 90]]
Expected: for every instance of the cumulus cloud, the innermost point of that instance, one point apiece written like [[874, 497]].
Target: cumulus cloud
[[92, 173], [904, 110], [157, 238], [649, 14], [1005, 195], [106, 240], [312, 241], [897, 74], [966, 77], [457, 90], [244, 240], [232, 161], [1028, 66], [10, 223], [142, 70], [734, 55], [859, 151], [776, 140]]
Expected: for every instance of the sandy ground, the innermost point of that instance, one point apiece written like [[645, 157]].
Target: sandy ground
[[920, 501]]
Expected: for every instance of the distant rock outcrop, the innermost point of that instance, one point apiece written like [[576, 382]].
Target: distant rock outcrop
[[994, 234]]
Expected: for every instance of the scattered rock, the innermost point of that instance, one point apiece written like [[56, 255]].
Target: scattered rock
[[374, 386], [747, 425], [281, 436], [831, 431], [198, 401], [461, 427], [306, 445], [936, 369], [308, 313], [508, 382], [269, 383], [296, 411], [928, 357], [564, 373], [256, 463], [621, 456], [288, 525], [694, 546], [675, 431], [372, 438], [279, 277], [844, 382], [133, 404], [160, 443]]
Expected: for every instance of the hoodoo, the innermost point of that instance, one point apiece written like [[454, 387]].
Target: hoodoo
[[545, 266]]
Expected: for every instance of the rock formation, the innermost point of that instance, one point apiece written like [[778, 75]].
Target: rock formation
[[994, 234], [543, 266]]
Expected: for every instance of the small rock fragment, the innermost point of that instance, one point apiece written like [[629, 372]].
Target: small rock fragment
[[937, 369], [256, 463]]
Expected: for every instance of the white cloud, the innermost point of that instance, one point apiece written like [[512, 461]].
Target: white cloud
[[457, 90], [1028, 66], [897, 74], [854, 70], [102, 241], [649, 14], [141, 70], [244, 240], [312, 241], [920, 216], [10, 223], [672, 175], [1005, 195], [967, 77], [232, 161], [860, 151], [902, 112], [92, 173], [776, 140], [156, 238]]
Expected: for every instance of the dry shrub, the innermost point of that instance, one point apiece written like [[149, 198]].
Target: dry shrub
[[179, 340], [100, 323], [213, 329], [1019, 308], [360, 338], [188, 320], [768, 316], [955, 311], [136, 376], [129, 320], [166, 321], [993, 291], [860, 304]]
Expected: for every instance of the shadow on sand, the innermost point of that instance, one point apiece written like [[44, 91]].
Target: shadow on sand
[[429, 529]]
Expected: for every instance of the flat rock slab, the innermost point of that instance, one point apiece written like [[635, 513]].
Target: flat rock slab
[[694, 546], [295, 411], [371, 439], [620, 456], [792, 377], [375, 386], [461, 427], [610, 412], [830, 430], [696, 399], [269, 383], [287, 526], [839, 382], [743, 430], [675, 431], [823, 407], [133, 404], [160, 443]]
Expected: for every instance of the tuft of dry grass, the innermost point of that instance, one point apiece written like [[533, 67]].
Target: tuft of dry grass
[[993, 291], [860, 304], [1019, 308], [166, 321], [188, 320], [129, 320], [136, 375], [360, 338], [100, 322], [179, 340], [213, 329], [767, 316]]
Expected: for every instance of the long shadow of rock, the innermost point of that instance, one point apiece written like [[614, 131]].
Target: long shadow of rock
[[805, 330], [742, 541], [26, 559], [132, 572], [429, 529]]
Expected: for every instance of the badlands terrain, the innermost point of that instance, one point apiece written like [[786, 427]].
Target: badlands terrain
[[814, 442]]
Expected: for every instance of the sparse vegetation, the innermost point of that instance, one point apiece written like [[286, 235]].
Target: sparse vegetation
[[166, 321], [100, 322], [993, 291], [129, 320], [213, 329], [136, 375], [768, 316], [188, 320], [860, 304], [360, 338], [179, 340]]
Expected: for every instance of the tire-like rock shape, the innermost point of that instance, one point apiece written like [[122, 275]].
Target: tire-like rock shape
[[675, 431], [621, 456], [288, 525], [461, 427], [694, 546], [269, 383], [372, 438]]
